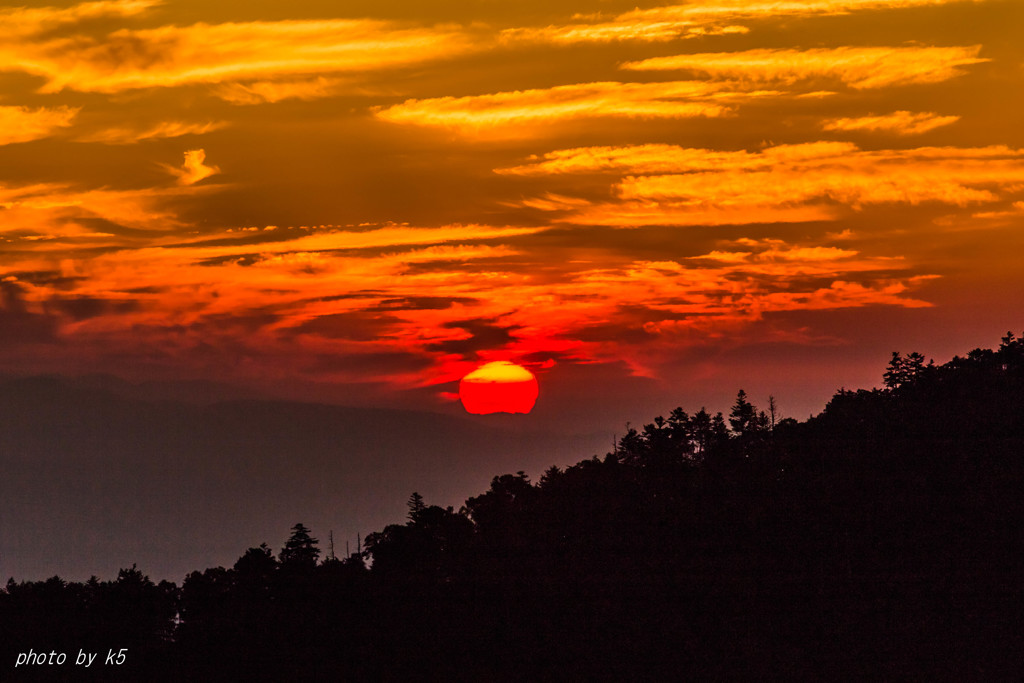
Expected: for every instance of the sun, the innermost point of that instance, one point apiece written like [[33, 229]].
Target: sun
[[498, 387]]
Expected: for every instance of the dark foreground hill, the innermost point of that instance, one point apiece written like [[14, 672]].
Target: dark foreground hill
[[880, 540]]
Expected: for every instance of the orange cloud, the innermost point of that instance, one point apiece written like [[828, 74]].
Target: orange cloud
[[379, 238], [676, 99], [853, 186], [858, 67], [196, 290], [631, 214], [551, 202], [353, 293], [698, 18], [604, 32], [27, 21], [260, 92], [23, 124], [786, 183], [777, 258], [899, 122], [54, 210], [171, 56], [1015, 210], [732, 10], [194, 169], [661, 158], [164, 129]]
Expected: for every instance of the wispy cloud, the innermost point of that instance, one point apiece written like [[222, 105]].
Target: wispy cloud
[[732, 10], [699, 18], [662, 158], [126, 135], [23, 124], [27, 21], [858, 67], [620, 30], [193, 169], [637, 213], [523, 108], [57, 210], [170, 56], [899, 122], [664, 184], [260, 92]]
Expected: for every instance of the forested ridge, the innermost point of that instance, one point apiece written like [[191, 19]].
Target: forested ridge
[[880, 539]]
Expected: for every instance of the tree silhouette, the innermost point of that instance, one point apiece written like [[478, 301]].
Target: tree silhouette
[[903, 370], [256, 566], [415, 505], [300, 551], [774, 416], [743, 418]]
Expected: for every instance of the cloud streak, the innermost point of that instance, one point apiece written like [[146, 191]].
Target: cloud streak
[[523, 108], [670, 185], [700, 18], [125, 135], [860, 68], [28, 21], [24, 124], [174, 56], [898, 122], [261, 92]]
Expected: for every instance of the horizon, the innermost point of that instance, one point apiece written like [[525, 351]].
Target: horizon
[[46, 420]]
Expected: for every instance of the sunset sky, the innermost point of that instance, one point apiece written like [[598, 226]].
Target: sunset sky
[[645, 206]]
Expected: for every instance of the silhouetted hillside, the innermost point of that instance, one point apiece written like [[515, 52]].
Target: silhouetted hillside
[[880, 540]]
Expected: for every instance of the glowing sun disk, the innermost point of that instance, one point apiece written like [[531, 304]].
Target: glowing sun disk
[[498, 387]]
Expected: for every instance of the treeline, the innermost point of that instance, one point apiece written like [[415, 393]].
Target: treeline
[[880, 539]]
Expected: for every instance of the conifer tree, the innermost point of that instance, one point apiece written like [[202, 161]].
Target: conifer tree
[[743, 418], [300, 550], [415, 505]]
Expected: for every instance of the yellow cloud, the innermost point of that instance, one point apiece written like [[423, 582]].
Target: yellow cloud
[[632, 214], [260, 92], [676, 99], [53, 209], [698, 18], [857, 67], [604, 32], [171, 56], [670, 185], [27, 21], [701, 11], [1016, 210], [661, 158], [379, 238], [194, 169], [899, 122], [23, 124], [853, 186], [551, 202], [164, 129]]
